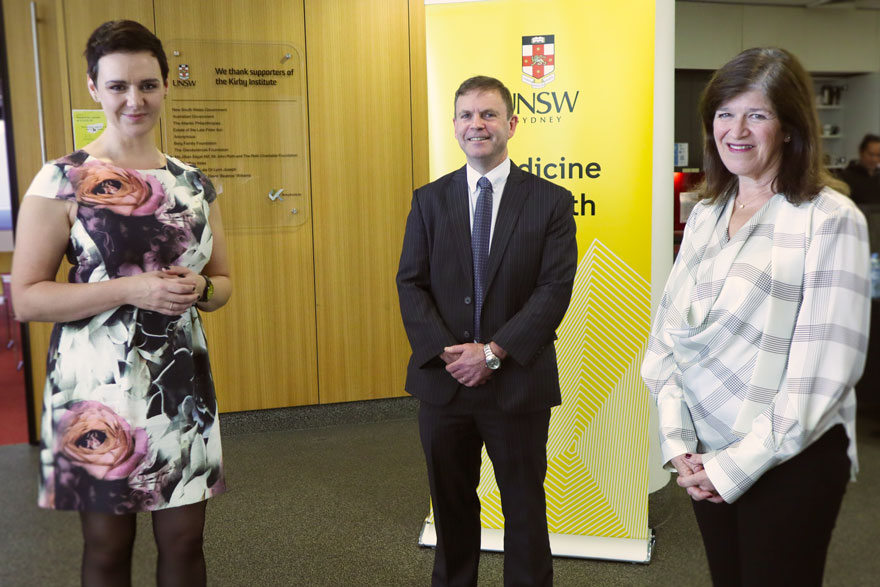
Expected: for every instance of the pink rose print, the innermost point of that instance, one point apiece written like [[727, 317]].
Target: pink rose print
[[94, 437], [122, 191]]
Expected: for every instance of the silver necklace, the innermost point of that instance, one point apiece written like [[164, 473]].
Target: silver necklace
[[741, 205]]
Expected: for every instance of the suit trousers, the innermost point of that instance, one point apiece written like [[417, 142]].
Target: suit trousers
[[777, 532], [452, 437]]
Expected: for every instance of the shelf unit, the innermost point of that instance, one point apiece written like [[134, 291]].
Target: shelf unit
[[831, 105]]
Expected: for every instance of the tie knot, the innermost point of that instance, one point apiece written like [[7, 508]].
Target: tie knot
[[484, 184]]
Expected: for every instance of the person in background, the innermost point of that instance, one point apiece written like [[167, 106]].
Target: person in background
[[863, 175], [485, 277], [761, 332], [129, 413]]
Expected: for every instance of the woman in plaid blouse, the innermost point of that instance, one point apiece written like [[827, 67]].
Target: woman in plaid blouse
[[762, 331]]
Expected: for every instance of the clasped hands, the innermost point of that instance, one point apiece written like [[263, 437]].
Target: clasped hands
[[170, 291], [692, 476], [467, 363]]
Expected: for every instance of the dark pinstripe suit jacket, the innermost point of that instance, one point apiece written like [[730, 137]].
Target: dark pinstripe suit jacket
[[531, 269]]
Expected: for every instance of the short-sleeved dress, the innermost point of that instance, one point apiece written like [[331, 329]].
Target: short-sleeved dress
[[129, 411]]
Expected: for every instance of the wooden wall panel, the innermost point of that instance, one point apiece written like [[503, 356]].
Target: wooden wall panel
[[262, 344], [362, 177], [419, 92]]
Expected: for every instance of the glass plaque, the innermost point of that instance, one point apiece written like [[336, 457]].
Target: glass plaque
[[237, 111]]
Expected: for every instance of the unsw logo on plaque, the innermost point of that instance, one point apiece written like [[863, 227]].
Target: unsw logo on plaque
[[183, 80], [538, 60]]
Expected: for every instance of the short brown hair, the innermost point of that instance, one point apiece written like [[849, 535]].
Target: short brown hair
[[123, 36], [484, 83], [789, 89]]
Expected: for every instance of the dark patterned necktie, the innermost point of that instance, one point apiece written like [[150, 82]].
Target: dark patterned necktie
[[480, 247]]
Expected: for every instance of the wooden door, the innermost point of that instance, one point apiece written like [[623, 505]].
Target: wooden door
[[362, 181]]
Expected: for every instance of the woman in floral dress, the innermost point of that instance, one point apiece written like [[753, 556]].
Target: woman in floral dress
[[129, 414]]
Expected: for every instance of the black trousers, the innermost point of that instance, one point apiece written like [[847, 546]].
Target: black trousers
[[778, 532], [452, 437]]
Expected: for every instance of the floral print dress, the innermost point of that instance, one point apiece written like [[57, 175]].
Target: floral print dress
[[129, 412]]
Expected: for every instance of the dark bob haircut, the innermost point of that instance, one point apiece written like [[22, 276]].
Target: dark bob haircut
[[484, 83], [123, 36], [789, 89]]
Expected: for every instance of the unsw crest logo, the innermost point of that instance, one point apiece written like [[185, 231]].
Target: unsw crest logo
[[538, 60], [539, 69], [183, 79]]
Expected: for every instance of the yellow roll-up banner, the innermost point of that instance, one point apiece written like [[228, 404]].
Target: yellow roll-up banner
[[582, 78]]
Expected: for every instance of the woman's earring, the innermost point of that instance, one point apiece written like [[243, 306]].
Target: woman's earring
[[787, 138]]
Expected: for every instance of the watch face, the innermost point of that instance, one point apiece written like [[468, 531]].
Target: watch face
[[492, 362]]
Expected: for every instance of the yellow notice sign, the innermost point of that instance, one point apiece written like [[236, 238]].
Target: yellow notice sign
[[87, 126]]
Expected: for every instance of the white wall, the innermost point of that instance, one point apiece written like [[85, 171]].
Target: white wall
[[706, 35], [830, 40]]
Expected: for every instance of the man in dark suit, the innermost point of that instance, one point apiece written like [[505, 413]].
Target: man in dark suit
[[485, 277]]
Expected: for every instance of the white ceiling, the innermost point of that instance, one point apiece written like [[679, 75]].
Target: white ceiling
[[817, 4]]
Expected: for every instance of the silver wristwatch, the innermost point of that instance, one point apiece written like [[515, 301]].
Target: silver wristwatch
[[492, 361]]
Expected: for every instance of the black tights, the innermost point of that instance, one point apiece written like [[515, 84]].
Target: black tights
[[109, 538]]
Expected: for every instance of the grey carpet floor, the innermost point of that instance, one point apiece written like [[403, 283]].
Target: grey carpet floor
[[342, 506]]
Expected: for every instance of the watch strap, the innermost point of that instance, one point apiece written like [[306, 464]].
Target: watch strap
[[208, 292]]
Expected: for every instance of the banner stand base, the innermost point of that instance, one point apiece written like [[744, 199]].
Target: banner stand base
[[565, 545]]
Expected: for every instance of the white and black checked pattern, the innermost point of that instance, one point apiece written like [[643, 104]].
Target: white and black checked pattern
[[759, 339], [480, 246]]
